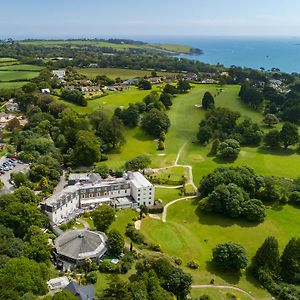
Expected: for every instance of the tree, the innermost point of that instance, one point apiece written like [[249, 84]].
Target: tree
[[272, 139], [230, 257], [155, 122], [178, 283], [36, 245], [102, 170], [170, 89], [295, 197], [19, 179], [144, 85], [130, 116], [254, 210], [290, 262], [166, 99], [270, 120], [103, 216], [21, 275], [74, 96], [86, 149], [116, 289], [267, 257], [64, 295], [140, 162], [289, 135], [215, 147], [229, 149], [183, 86], [208, 101], [10, 246], [115, 243], [204, 134]]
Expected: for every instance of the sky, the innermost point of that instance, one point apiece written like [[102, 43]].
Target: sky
[[135, 18]]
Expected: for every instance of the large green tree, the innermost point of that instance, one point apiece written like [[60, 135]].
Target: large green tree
[[115, 243], [230, 257], [86, 149], [208, 101], [155, 122], [290, 262], [103, 216], [289, 135]]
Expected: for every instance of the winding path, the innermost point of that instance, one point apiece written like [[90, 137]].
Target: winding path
[[229, 287]]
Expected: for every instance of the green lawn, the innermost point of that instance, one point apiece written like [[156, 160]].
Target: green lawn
[[113, 73], [167, 195], [187, 228], [170, 176], [110, 102], [12, 85], [17, 67], [218, 294], [17, 75]]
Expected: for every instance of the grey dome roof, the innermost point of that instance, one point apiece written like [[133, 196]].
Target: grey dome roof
[[80, 244]]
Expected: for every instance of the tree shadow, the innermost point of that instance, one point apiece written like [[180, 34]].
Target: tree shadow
[[276, 151], [223, 161], [230, 277], [208, 218], [277, 206], [142, 136], [251, 279]]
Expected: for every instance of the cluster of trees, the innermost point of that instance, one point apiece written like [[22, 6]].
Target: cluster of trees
[[155, 279], [233, 192], [278, 274], [24, 248], [222, 126], [287, 136], [251, 95], [74, 96]]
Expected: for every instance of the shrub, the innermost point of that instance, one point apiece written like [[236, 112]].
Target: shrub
[[193, 265], [177, 260], [107, 267], [91, 277]]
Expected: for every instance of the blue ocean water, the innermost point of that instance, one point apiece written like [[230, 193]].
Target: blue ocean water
[[281, 53]]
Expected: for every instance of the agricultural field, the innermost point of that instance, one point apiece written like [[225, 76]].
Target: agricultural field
[[156, 47], [17, 67], [113, 73], [17, 75], [12, 85]]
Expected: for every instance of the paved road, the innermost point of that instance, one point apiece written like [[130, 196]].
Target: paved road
[[8, 188]]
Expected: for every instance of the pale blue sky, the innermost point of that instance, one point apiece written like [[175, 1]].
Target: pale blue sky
[[132, 18]]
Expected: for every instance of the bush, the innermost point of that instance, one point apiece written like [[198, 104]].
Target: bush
[[193, 265], [107, 267], [91, 277], [134, 235], [177, 260], [155, 247]]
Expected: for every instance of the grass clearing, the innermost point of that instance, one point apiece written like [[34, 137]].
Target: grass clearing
[[167, 195], [218, 294], [7, 59], [170, 176]]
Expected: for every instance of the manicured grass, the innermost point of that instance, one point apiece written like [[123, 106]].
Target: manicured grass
[[12, 85], [218, 294], [123, 217], [187, 228], [17, 67], [110, 102], [170, 176], [17, 75], [113, 73], [167, 195]]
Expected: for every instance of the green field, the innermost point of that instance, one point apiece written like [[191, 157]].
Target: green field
[[12, 85], [113, 73], [17, 75], [16, 67], [7, 59], [157, 47], [217, 294]]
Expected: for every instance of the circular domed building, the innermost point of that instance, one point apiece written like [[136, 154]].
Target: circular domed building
[[73, 247]]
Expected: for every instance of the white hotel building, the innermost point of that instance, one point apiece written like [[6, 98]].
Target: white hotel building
[[86, 191]]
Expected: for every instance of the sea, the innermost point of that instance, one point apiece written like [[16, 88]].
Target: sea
[[254, 52]]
